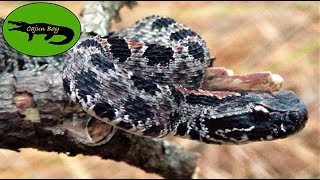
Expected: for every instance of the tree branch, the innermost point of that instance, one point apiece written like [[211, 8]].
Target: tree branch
[[35, 113]]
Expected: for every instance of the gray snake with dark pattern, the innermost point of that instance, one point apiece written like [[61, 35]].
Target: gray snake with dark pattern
[[146, 80]]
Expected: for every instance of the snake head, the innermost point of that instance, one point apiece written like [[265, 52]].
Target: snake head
[[255, 117], [278, 116]]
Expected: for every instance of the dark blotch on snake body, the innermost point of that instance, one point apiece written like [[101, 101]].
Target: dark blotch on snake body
[[201, 99], [158, 54], [182, 34], [194, 134], [148, 85], [125, 125], [119, 48], [182, 129], [86, 83], [214, 101], [195, 129], [177, 95], [196, 50], [162, 22], [89, 43], [102, 62], [138, 110], [104, 110]]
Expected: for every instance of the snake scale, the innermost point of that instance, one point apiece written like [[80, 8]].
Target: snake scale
[[146, 80]]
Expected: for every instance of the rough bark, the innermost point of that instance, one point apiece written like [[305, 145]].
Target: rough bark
[[97, 16], [35, 113]]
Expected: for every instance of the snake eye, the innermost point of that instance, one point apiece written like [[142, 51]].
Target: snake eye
[[261, 109], [261, 113]]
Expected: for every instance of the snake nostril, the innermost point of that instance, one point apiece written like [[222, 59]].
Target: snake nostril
[[298, 119], [294, 116]]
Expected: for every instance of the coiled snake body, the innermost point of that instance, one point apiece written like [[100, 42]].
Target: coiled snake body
[[145, 80]]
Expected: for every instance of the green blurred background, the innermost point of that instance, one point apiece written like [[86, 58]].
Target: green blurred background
[[247, 37]]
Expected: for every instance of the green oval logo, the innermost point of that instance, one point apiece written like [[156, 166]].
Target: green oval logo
[[41, 29]]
